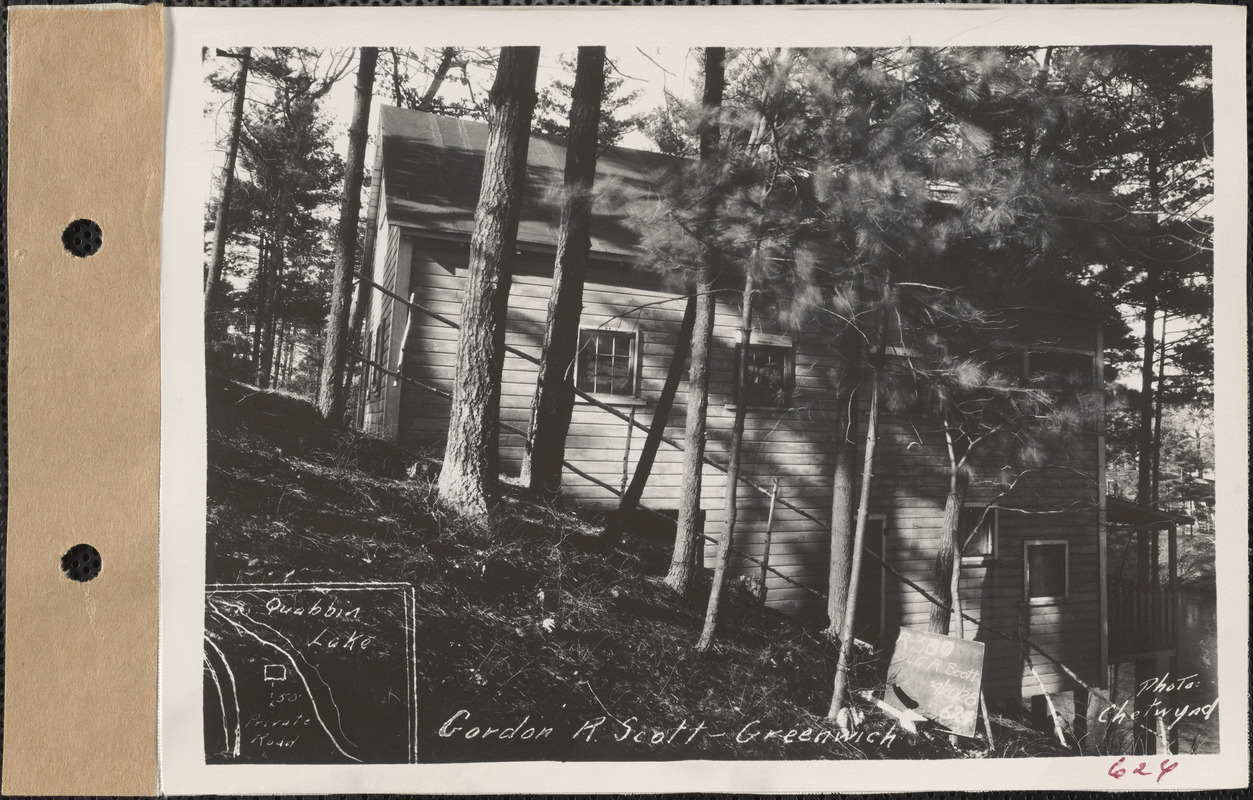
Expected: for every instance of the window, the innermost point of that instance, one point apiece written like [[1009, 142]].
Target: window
[[977, 533], [607, 362], [380, 346], [869, 618], [1052, 369], [1046, 570], [771, 370], [1061, 370]]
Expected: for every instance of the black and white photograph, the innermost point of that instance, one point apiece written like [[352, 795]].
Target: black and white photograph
[[618, 402]]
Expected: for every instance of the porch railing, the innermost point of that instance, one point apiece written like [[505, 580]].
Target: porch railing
[[1142, 620]]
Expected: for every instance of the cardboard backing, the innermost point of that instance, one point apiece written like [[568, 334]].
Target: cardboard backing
[[80, 708]]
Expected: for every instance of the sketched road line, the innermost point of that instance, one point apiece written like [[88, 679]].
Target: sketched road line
[[234, 748], [226, 732], [299, 673], [330, 695]]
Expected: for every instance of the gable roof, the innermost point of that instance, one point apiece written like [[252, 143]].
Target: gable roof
[[432, 167]]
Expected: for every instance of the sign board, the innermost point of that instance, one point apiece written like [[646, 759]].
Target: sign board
[[939, 677], [309, 673]]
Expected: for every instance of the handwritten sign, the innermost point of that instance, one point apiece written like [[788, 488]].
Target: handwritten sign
[[937, 676], [309, 674]]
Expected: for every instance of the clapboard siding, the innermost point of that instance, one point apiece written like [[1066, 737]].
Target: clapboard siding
[[1060, 503], [793, 445], [382, 312]]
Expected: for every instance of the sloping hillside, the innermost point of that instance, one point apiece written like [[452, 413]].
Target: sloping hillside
[[536, 620]]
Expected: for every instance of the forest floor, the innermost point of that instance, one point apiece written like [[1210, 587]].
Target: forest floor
[[538, 615]]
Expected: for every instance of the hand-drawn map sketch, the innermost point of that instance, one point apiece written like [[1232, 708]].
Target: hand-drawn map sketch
[[822, 402]]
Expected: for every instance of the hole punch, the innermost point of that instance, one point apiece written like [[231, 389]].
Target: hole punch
[[82, 238], [81, 563]]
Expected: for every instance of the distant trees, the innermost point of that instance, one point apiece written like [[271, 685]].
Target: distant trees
[[272, 297], [554, 106], [1160, 114], [418, 79], [218, 252], [469, 473]]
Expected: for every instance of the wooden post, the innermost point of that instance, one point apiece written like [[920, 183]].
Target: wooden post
[[987, 720], [626, 453], [1083, 700], [1048, 699], [765, 556]]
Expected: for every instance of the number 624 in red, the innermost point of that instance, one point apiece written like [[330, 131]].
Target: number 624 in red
[[1117, 771]]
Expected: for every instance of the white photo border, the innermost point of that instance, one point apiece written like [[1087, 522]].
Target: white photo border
[[182, 545]]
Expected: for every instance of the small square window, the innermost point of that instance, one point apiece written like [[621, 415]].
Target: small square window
[[977, 533], [1046, 570], [607, 362], [771, 370]]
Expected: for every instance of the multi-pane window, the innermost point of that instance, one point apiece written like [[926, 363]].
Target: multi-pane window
[[770, 374], [1045, 570], [977, 533], [607, 362]]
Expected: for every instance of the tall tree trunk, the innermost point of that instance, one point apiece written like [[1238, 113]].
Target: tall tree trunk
[[259, 288], [272, 293], [331, 391], [843, 486], [441, 72], [1146, 538], [397, 98], [661, 415], [280, 339], [757, 146], [722, 558], [1146, 444], [687, 527], [948, 553], [469, 473], [212, 289], [553, 404], [1155, 490], [840, 690], [289, 355]]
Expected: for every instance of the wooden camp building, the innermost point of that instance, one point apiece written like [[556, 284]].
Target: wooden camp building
[[1037, 572]]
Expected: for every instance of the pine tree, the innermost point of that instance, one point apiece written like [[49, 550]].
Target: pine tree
[[288, 172], [220, 234], [468, 477], [553, 402], [687, 526], [331, 390], [761, 152], [555, 104]]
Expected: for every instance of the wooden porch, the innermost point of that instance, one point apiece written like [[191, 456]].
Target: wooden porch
[[1143, 591]]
